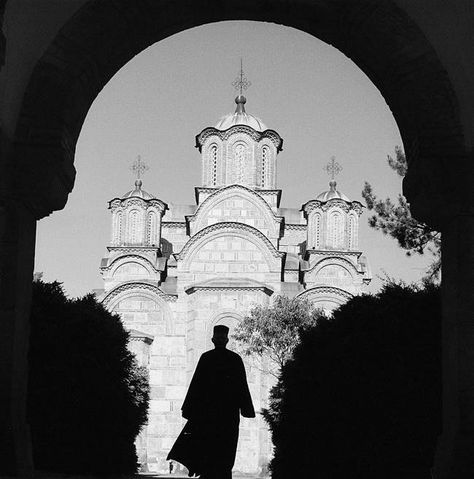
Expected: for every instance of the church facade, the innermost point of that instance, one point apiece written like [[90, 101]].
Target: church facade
[[172, 272]]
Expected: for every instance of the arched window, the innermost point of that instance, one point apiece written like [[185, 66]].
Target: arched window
[[240, 156], [336, 230], [213, 165], [265, 166], [353, 232], [152, 228], [117, 228], [315, 233], [133, 233]]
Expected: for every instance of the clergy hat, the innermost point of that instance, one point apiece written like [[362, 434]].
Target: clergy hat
[[220, 329]]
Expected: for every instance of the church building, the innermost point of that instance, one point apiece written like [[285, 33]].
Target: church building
[[172, 272]]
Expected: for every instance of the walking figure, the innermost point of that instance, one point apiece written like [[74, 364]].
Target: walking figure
[[216, 397]]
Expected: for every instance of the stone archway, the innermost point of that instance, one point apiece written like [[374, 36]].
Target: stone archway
[[102, 36]]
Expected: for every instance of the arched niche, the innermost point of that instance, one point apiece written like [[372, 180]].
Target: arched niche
[[227, 318], [141, 267], [334, 274], [341, 267], [327, 298], [239, 159], [336, 229], [142, 306], [130, 270]]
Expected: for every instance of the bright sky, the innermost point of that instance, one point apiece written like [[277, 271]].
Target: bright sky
[[318, 100]]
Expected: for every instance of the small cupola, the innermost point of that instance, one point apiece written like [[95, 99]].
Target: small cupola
[[332, 218], [136, 216]]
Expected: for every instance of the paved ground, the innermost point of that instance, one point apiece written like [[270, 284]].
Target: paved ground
[[177, 476], [149, 475], [46, 475], [180, 476]]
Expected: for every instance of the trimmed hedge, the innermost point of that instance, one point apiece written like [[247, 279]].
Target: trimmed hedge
[[361, 397], [87, 397]]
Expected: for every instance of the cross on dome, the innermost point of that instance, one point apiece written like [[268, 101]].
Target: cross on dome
[[241, 82], [139, 167], [333, 168], [240, 116]]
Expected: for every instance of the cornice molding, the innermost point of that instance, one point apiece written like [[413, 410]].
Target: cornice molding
[[125, 258], [336, 260], [137, 286], [262, 192], [173, 224], [312, 205], [276, 193], [331, 290], [295, 226], [141, 339], [139, 336], [137, 201], [335, 253], [195, 288], [135, 249], [224, 135]]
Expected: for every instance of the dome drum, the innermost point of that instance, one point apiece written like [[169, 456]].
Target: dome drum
[[239, 150]]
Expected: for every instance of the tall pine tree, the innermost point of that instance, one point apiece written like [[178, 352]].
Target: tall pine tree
[[394, 218]]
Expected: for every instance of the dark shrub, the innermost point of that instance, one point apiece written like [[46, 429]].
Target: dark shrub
[[87, 397], [361, 396]]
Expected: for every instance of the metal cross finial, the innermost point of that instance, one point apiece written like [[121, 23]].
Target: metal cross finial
[[333, 168], [139, 167], [241, 83]]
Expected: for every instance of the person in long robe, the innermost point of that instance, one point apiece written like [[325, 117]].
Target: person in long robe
[[217, 395]]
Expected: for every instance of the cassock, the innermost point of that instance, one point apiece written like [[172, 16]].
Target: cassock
[[216, 397]]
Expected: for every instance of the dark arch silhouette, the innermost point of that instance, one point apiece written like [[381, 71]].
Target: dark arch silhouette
[[102, 36], [377, 35]]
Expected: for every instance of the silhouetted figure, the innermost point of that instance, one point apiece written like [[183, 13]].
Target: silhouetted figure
[[216, 397]]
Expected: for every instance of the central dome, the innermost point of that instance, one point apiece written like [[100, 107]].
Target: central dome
[[240, 117]]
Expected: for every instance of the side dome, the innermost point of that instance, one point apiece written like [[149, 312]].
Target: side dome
[[240, 117], [332, 194], [137, 192]]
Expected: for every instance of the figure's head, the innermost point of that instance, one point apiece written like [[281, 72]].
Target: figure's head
[[220, 336]]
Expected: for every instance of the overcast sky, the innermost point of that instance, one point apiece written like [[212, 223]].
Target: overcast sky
[[318, 100]]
